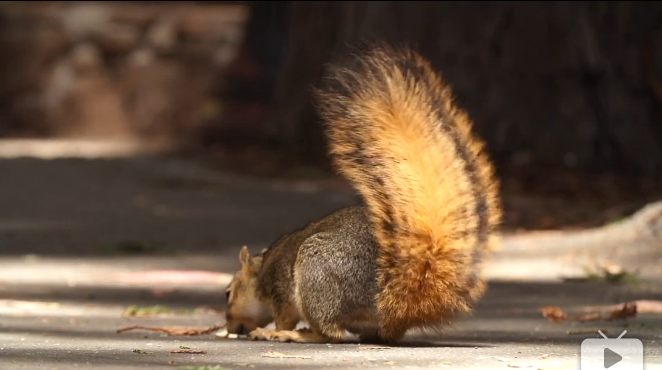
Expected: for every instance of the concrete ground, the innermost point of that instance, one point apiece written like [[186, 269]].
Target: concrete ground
[[67, 227]]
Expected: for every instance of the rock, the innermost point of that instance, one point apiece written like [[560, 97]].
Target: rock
[[151, 87], [30, 47], [95, 23], [43, 42], [213, 22], [100, 68], [94, 109], [141, 58], [86, 58], [162, 36], [117, 38], [136, 15], [59, 85], [82, 21]]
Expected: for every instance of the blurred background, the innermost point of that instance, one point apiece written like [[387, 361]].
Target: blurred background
[[567, 95]]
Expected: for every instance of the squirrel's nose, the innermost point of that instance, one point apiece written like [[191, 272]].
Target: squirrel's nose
[[241, 329]]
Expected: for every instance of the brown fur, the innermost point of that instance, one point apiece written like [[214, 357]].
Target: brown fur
[[244, 306], [429, 187], [411, 258]]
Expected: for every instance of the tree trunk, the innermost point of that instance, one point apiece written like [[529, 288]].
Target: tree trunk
[[251, 78], [557, 83]]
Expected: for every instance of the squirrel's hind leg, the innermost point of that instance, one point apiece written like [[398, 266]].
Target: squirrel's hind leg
[[371, 336], [376, 336], [333, 282]]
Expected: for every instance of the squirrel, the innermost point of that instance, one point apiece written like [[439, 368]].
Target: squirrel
[[410, 257]]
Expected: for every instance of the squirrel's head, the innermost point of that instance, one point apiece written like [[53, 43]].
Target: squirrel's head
[[245, 311]]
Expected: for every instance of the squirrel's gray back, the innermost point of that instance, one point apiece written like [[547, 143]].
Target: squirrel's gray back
[[336, 267]]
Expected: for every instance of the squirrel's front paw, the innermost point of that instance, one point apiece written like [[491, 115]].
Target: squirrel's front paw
[[299, 336], [284, 336], [277, 336], [261, 334]]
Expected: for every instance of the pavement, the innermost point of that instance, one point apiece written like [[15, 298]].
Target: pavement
[[72, 226]]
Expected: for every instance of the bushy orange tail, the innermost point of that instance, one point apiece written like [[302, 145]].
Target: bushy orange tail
[[395, 134]]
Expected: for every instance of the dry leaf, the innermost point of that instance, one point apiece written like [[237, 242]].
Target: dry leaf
[[629, 310], [503, 359], [173, 330], [543, 357], [553, 314], [191, 351], [375, 347], [272, 354], [389, 363]]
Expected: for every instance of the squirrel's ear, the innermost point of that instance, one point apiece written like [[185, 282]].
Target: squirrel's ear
[[256, 263], [244, 257]]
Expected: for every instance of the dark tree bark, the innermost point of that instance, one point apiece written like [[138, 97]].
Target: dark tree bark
[[251, 78], [557, 83]]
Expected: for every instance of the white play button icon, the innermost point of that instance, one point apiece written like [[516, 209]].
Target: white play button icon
[[611, 358], [612, 354]]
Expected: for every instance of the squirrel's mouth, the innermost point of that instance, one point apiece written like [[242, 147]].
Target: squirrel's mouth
[[240, 329], [241, 326]]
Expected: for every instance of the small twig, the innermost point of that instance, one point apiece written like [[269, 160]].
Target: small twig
[[172, 331], [374, 347], [626, 311], [273, 354], [191, 351]]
